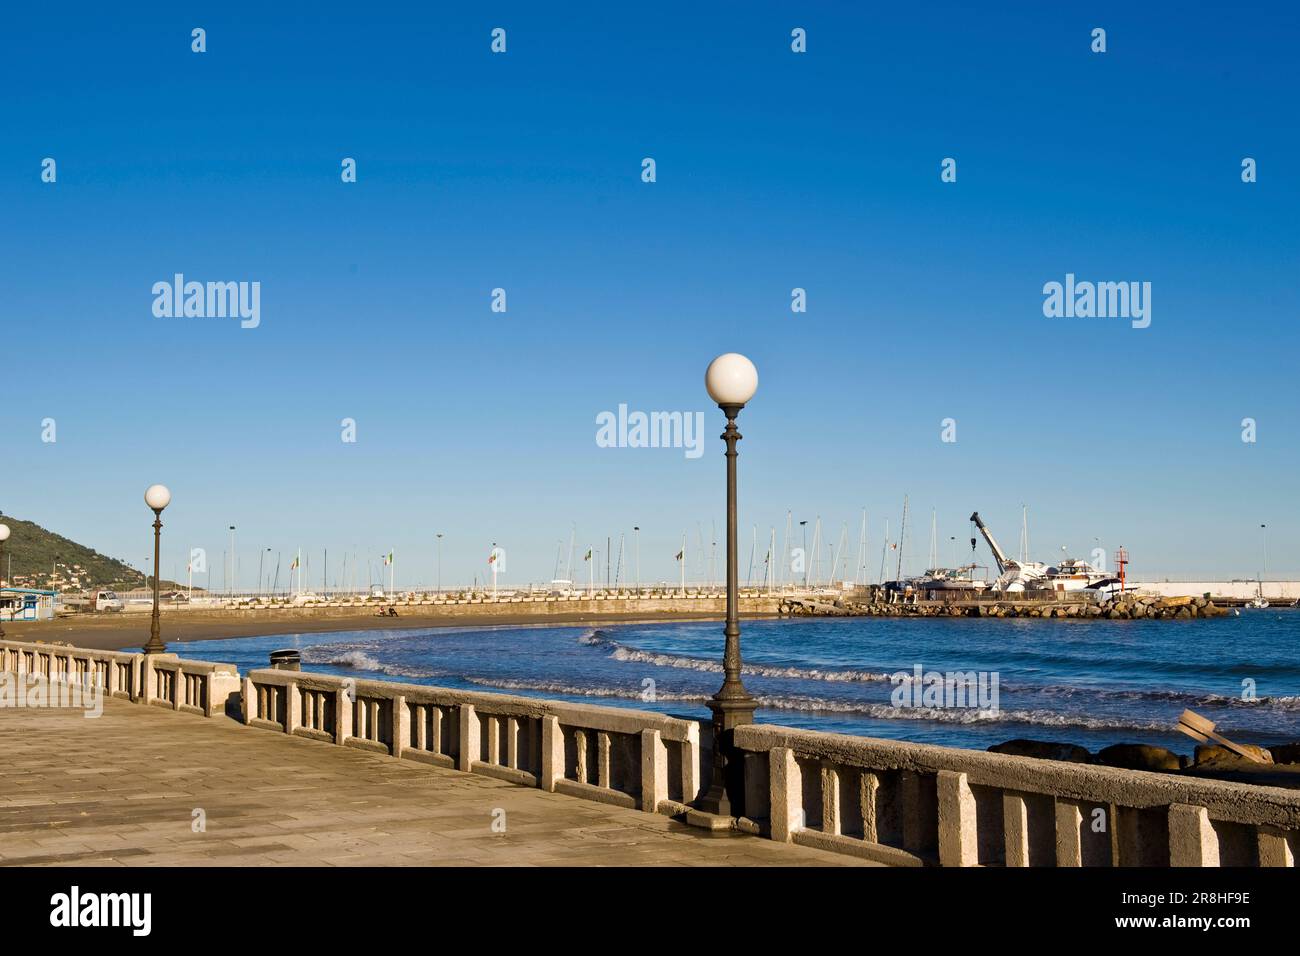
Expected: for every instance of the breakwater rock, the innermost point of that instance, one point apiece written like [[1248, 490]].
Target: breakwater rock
[[1122, 607], [1277, 766]]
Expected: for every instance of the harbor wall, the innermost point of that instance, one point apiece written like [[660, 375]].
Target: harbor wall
[[469, 609], [1275, 591]]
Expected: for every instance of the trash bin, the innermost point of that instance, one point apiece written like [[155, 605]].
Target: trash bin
[[286, 660]]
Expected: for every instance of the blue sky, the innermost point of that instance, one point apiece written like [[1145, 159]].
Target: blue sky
[[775, 170]]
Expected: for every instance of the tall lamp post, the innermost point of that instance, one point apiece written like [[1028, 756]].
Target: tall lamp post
[[803, 552], [4, 536], [731, 381], [157, 498], [1263, 531]]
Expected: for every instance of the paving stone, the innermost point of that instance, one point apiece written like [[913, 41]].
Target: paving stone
[[121, 790]]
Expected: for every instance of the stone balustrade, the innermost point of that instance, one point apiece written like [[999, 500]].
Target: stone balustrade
[[623, 757], [890, 801], [914, 804], [161, 679]]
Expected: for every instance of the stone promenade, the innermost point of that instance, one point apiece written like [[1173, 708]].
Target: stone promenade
[[144, 786]]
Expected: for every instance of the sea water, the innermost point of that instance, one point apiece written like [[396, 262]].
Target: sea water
[[1088, 682]]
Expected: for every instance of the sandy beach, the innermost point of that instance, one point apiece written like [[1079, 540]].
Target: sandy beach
[[116, 631]]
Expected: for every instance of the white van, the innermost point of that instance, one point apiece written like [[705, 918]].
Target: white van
[[106, 601]]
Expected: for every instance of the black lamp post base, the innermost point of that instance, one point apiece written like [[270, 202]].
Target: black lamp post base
[[726, 794]]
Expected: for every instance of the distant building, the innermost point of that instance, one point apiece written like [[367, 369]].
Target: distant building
[[26, 604]]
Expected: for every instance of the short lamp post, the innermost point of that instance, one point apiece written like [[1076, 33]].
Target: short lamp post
[[731, 380], [157, 498], [4, 536]]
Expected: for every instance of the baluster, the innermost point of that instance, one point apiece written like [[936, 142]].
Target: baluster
[[1015, 826], [419, 718], [958, 841], [786, 779], [512, 743], [580, 748], [1192, 840], [493, 740], [603, 759], [869, 801], [830, 798], [1069, 818]]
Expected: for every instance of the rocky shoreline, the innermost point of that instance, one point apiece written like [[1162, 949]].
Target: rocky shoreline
[[1122, 607], [1277, 766]]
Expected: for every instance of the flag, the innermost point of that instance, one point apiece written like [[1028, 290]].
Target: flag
[[388, 558], [295, 562], [587, 556], [492, 557], [678, 556]]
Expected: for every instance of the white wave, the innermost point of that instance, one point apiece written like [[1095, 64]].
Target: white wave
[[876, 711], [556, 687], [357, 659], [627, 654]]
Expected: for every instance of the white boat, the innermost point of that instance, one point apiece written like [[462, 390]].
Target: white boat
[[1074, 575], [950, 579], [1071, 574], [1258, 602]]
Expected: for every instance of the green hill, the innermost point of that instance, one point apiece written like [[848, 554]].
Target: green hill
[[35, 556]]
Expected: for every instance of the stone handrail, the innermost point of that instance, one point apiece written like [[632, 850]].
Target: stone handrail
[[623, 757], [917, 804], [162, 679], [116, 671], [895, 802], [199, 687]]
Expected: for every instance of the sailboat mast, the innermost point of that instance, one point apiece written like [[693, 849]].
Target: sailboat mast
[[861, 570], [884, 552], [934, 540], [902, 532], [785, 545], [568, 567], [816, 564]]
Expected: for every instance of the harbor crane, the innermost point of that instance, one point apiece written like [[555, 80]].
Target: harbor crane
[[1013, 575]]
